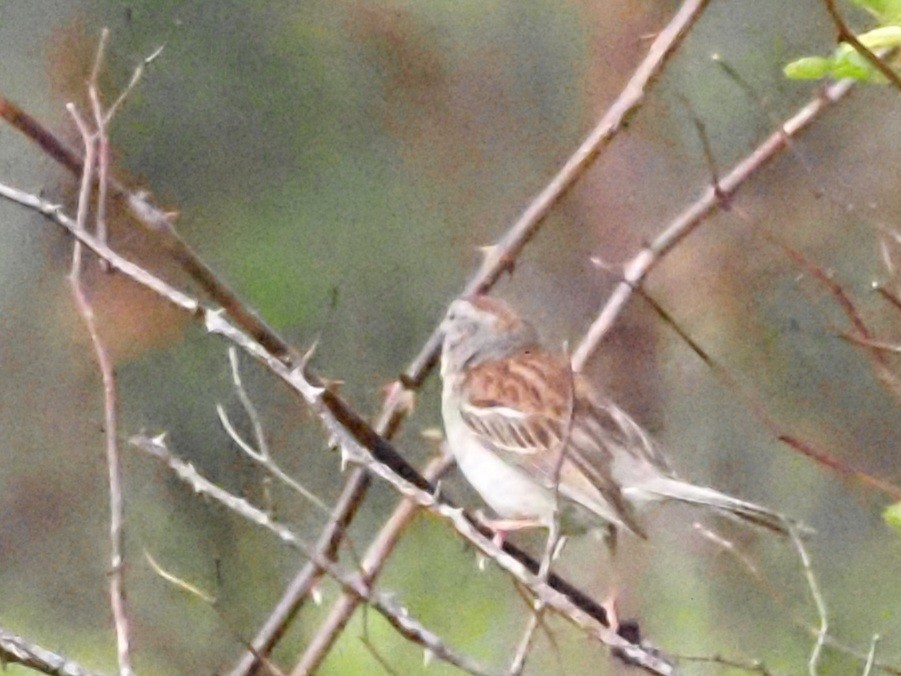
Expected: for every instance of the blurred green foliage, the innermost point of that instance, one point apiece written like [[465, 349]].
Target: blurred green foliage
[[846, 61]]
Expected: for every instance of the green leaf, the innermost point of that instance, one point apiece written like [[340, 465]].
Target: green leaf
[[808, 68], [881, 38], [892, 515], [849, 63]]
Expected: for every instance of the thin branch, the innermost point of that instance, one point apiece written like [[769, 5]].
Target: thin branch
[[396, 615], [373, 562], [110, 409], [777, 596], [261, 454], [178, 582], [16, 650], [871, 656], [759, 410], [498, 259], [845, 34], [247, 403], [823, 632], [878, 359], [713, 198], [753, 667], [358, 442]]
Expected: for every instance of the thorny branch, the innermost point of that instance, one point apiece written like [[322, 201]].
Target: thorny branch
[[359, 443], [396, 615], [371, 565], [714, 197], [16, 650], [498, 259], [143, 208], [96, 150]]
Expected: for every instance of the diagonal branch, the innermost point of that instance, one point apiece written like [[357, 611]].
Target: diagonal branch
[[713, 198], [16, 650], [396, 615], [498, 259], [359, 443], [845, 34], [373, 561]]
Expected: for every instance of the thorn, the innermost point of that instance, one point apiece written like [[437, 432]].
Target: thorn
[[487, 250], [432, 434], [427, 656], [316, 594], [160, 439], [345, 458], [601, 264], [214, 319], [171, 216], [481, 562], [308, 355], [331, 385]]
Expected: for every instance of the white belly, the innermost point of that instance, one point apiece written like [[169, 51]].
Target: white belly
[[509, 491]]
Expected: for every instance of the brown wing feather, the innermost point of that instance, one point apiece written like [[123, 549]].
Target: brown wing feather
[[531, 408]]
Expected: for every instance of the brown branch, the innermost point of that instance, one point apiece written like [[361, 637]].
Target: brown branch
[[864, 338], [16, 650], [396, 615], [373, 562], [110, 409], [359, 443], [759, 410], [845, 34], [498, 259], [155, 220], [714, 197]]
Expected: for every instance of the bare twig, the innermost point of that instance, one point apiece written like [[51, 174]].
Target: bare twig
[[878, 359], [871, 656], [260, 454], [178, 582], [373, 562], [845, 34], [828, 640], [498, 259], [110, 409], [398, 616], [823, 632], [358, 442], [638, 268], [16, 650], [760, 411]]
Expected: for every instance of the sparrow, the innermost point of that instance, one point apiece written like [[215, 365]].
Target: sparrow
[[541, 445]]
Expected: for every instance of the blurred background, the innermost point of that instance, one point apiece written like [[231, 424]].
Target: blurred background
[[339, 163]]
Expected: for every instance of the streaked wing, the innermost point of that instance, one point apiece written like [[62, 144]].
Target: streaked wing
[[530, 410]]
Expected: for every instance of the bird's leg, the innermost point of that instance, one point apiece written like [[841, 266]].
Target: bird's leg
[[555, 544], [610, 606], [503, 526]]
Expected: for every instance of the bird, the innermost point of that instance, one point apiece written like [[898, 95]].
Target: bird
[[542, 445]]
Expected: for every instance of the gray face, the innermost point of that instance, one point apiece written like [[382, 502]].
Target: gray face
[[482, 330]]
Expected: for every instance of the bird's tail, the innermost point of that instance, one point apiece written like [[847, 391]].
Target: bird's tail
[[673, 489]]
